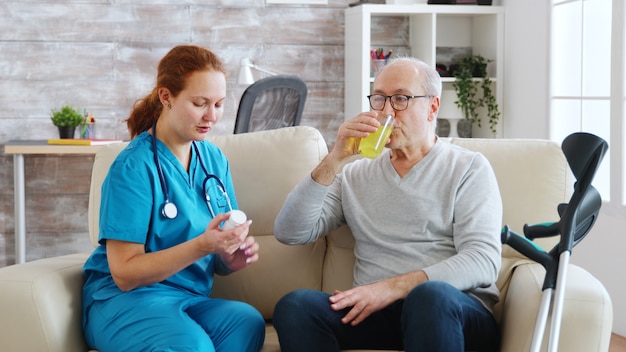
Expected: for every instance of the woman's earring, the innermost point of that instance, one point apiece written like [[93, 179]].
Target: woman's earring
[[169, 105]]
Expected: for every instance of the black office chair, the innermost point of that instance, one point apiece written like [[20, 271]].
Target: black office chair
[[270, 103]]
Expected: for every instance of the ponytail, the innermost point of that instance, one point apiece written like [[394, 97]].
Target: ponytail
[[145, 112]]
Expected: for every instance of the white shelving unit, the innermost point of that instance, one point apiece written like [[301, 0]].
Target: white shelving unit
[[480, 28]]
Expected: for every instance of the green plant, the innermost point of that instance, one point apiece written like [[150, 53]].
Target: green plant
[[471, 78], [66, 116]]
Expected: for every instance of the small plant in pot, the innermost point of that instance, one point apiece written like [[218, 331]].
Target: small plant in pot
[[471, 78], [66, 119]]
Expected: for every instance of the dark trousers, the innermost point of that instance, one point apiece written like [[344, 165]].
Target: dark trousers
[[434, 317]]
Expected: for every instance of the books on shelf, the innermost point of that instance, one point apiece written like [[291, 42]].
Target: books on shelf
[[82, 141]]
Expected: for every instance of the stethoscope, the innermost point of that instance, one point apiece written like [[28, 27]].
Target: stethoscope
[[169, 209]]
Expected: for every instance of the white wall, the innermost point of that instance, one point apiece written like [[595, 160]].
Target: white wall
[[525, 112], [526, 90], [602, 254]]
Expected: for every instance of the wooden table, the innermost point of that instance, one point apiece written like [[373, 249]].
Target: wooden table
[[19, 148]]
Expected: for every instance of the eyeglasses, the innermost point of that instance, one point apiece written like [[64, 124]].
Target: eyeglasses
[[399, 102]]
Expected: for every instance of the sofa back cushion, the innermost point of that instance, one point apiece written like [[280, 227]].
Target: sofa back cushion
[[533, 176], [266, 166], [101, 164]]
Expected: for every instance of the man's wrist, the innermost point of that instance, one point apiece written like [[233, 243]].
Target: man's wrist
[[325, 172]]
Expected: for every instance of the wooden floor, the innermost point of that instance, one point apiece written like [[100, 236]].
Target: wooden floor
[[618, 343]]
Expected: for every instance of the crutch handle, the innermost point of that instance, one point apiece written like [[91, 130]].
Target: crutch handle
[[546, 229], [525, 246]]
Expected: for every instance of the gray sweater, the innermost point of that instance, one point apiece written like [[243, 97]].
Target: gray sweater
[[443, 217]]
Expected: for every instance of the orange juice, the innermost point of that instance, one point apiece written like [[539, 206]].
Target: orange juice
[[372, 145]]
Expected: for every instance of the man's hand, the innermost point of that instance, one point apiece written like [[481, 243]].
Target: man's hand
[[371, 298], [351, 131], [346, 145], [364, 301]]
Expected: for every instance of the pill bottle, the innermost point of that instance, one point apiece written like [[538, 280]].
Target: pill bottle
[[237, 217]]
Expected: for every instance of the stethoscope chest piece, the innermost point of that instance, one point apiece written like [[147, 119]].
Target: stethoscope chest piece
[[169, 210]]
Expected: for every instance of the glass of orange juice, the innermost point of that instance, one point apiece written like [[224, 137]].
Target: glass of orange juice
[[374, 144]]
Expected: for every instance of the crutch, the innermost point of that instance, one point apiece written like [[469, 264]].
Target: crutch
[[583, 152]]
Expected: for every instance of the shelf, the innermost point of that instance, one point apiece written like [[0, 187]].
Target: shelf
[[402, 10], [428, 32], [445, 80]]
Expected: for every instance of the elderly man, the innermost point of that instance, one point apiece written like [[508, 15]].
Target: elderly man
[[426, 218]]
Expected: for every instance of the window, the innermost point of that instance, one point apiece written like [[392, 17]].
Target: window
[[582, 51]]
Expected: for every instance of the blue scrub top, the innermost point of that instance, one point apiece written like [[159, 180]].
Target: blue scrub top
[[130, 210]]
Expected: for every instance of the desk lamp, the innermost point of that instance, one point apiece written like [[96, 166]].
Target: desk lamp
[[245, 72]]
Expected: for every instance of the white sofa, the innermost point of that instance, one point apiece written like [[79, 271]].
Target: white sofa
[[40, 300]]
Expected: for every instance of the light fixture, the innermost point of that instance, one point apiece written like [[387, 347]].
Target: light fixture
[[245, 72]]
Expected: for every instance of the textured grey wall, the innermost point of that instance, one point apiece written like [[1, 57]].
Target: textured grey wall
[[102, 54]]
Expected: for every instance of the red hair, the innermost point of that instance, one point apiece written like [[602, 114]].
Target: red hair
[[174, 69]]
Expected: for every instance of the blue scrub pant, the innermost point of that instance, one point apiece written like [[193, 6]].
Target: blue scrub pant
[[434, 317], [172, 320]]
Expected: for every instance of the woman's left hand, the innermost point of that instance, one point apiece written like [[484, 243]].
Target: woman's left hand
[[247, 253]]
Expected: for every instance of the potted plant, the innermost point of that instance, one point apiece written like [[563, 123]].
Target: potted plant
[[471, 78], [66, 119]]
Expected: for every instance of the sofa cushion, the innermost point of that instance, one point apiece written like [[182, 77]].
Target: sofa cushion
[[266, 166], [533, 176]]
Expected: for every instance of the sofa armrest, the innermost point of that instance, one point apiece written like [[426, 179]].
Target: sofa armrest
[[587, 311], [40, 305]]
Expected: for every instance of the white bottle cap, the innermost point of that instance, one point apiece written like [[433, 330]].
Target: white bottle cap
[[237, 217]]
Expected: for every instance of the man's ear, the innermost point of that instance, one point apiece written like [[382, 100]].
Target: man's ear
[[434, 108]]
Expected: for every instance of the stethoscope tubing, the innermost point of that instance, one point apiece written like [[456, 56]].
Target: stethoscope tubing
[[169, 209]]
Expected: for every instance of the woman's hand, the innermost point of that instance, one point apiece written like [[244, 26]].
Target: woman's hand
[[246, 254], [234, 246], [224, 241]]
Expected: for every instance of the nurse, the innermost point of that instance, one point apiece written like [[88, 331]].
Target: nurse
[[147, 283]]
